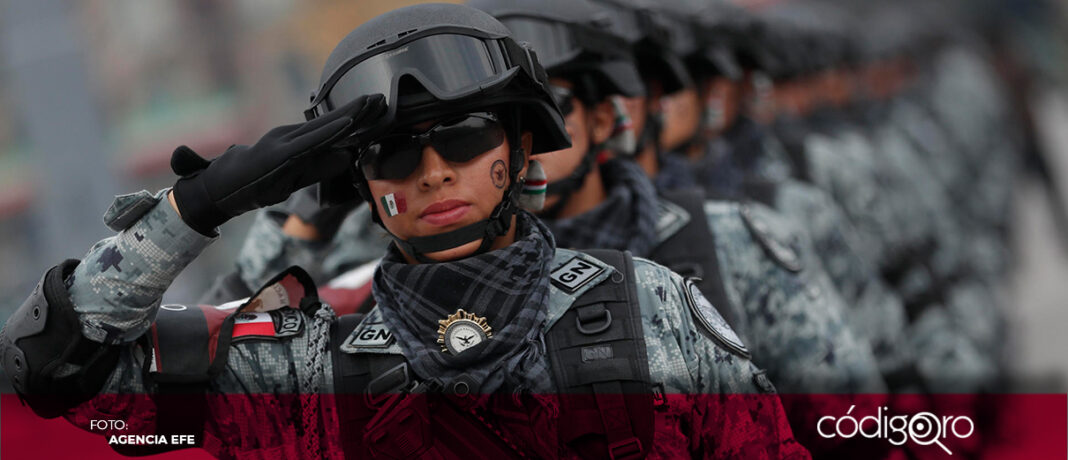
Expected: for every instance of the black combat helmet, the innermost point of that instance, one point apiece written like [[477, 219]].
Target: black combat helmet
[[714, 27], [434, 58], [648, 32], [574, 39], [432, 61]]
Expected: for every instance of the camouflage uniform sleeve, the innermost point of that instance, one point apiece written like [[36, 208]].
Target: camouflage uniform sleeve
[[277, 382], [117, 288], [728, 404], [795, 316], [874, 312]]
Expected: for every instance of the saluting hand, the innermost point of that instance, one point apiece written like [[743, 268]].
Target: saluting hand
[[283, 161]]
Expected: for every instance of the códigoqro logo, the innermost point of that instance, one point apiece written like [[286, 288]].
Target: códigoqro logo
[[923, 428]]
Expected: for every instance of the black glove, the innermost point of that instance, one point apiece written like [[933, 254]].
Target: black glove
[[283, 161]]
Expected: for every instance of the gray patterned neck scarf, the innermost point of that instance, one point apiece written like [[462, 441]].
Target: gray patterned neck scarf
[[626, 220], [508, 286]]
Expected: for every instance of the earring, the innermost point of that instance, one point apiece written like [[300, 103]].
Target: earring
[[533, 196]]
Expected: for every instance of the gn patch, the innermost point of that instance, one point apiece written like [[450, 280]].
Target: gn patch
[[370, 335], [712, 322], [574, 274], [274, 324]]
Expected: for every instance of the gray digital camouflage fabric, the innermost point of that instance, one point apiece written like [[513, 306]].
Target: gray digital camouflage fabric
[[118, 286], [794, 321], [681, 357], [873, 310], [904, 217]]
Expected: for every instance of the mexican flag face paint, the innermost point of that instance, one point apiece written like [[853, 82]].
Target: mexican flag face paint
[[394, 204]]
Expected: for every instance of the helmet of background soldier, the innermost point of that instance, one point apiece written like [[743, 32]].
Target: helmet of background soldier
[[649, 33], [574, 39]]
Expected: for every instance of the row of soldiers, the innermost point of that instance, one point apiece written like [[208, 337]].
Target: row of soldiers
[[874, 147], [828, 185]]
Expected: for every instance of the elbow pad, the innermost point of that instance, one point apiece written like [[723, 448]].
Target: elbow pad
[[52, 366]]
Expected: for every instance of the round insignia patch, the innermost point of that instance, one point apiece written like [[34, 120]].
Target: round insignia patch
[[713, 323], [781, 252], [462, 330]]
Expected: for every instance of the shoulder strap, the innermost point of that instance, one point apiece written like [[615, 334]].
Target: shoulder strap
[[691, 252], [598, 357], [353, 374]]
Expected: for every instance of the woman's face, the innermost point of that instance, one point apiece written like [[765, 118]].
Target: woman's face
[[720, 97], [441, 195], [681, 116]]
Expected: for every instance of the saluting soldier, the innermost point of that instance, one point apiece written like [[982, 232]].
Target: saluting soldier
[[481, 321]]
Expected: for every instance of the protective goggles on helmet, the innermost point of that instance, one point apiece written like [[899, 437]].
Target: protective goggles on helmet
[[457, 140], [448, 65]]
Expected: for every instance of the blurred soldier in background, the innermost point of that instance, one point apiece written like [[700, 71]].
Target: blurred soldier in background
[[733, 171], [746, 258]]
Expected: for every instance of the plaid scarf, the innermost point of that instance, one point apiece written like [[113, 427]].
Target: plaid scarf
[[626, 220], [508, 286]]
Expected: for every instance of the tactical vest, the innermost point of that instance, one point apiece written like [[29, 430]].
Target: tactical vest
[[597, 354]]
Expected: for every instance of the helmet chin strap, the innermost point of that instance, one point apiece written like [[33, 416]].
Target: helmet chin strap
[[654, 125]]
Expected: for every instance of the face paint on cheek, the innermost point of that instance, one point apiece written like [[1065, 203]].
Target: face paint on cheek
[[499, 174], [623, 141], [394, 204], [715, 113]]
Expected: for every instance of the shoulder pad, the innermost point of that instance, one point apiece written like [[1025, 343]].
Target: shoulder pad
[[711, 322], [783, 252]]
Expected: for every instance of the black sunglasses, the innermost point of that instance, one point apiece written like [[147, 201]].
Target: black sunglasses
[[457, 140]]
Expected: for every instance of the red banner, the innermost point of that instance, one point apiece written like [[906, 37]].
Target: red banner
[[993, 427]]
